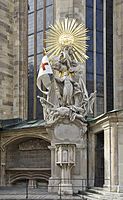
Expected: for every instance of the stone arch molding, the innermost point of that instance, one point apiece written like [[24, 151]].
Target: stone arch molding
[[29, 175], [5, 141]]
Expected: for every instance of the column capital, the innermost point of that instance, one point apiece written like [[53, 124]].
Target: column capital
[[51, 147]]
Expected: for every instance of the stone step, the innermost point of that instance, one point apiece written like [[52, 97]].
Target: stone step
[[102, 194], [90, 195], [78, 198], [42, 198], [106, 193]]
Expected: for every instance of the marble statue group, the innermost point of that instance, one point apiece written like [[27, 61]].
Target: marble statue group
[[67, 95], [66, 103]]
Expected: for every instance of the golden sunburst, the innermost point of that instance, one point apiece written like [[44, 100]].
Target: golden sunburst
[[67, 33]]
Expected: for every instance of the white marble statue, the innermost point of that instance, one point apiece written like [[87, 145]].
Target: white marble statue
[[67, 96]]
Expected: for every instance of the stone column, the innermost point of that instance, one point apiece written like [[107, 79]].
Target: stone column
[[54, 180], [107, 154], [91, 158], [3, 165], [118, 51], [114, 157], [52, 148], [120, 156], [110, 156], [82, 148]]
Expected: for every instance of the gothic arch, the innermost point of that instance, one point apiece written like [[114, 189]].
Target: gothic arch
[[14, 138], [20, 176]]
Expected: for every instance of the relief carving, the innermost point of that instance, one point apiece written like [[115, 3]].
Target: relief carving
[[33, 144]]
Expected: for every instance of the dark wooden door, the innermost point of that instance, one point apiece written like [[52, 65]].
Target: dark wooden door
[[99, 160]]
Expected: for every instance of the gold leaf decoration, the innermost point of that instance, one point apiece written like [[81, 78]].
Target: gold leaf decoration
[[67, 33]]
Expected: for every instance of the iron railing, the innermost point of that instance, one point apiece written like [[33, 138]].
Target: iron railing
[[79, 187]]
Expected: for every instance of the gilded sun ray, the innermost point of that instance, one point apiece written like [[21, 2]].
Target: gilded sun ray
[[64, 33]]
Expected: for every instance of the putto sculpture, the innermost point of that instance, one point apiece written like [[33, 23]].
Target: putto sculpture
[[61, 72]]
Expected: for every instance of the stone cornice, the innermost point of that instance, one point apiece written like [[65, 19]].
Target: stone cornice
[[108, 119]]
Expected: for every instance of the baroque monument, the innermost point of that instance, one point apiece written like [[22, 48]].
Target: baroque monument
[[67, 102]]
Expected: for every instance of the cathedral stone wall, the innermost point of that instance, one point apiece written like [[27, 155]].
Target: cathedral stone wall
[[33, 153], [24, 153], [118, 53], [12, 65], [70, 9]]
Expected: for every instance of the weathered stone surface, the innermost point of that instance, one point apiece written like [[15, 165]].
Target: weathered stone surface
[[118, 51], [12, 69], [24, 152], [30, 157], [68, 152]]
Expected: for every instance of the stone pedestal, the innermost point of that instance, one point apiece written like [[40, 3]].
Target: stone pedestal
[[65, 189], [65, 159], [53, 185], [66, 156]]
